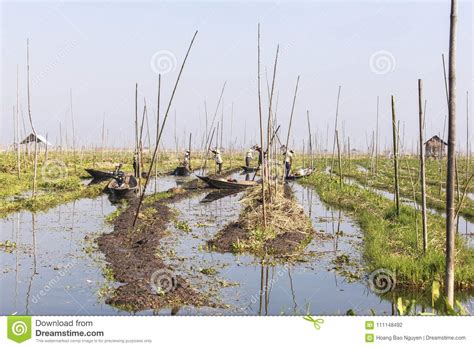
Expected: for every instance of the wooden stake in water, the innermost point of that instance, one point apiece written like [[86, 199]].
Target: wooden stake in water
[[262, 145], [17, 121], [35, 166], [335, 128], [339, 158], [161, 130], [73, 133], [450, 209], [395, 157], [422, 165]]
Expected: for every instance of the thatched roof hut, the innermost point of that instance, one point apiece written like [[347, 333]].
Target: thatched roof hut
[[435, 147], [39, 139]]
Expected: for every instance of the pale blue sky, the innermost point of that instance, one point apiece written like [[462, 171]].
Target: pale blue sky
[[101, 49]]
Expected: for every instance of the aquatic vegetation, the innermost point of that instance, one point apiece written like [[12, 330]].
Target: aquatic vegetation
[[183, 226], [391, 242]]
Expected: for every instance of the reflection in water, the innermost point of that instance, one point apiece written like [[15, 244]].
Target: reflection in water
[[33, 271], [249, 285]]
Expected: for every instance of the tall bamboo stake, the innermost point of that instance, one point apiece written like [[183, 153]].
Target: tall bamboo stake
[[262, 145], [422, 165], [18, 153], [335, 128], [468, 151], [310, 141], [339, 158], [377, 139], [35, 166], [291, 120], [161, 130], [395, 157], [349, 146], [450, 209], [73, 133], [269, 130]]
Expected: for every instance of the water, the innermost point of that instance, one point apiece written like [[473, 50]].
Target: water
[[249, 286], [55, 268], [50, 271]]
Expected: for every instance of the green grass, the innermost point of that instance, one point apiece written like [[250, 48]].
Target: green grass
[[391, 242]]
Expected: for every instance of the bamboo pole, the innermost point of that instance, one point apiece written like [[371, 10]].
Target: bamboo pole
[[395, 157], [335, 128], [468, 151], [422, 166], [310, 149], [264, 214], [291, 119], [73, 133], [339, 158], [137, 167], [269, 130], [17, 122], [377, 139], [349, 154], [161, 130], [450, 213], [35, 165]]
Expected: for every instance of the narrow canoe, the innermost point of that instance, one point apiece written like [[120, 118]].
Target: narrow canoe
[[224, 184], [128, 189], [181, 171], [99, 174], [301, 174]]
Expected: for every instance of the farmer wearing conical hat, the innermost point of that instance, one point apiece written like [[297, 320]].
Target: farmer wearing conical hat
[[218, 159]]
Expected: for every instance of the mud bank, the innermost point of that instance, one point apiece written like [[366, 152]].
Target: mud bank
[[131, 253]]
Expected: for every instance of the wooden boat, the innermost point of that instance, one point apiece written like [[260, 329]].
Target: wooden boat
[[128, 189], [301, 173], [181, 171], [226, 184], [99, 174], [249, 169]]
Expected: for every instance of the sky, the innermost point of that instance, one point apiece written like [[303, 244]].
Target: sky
[[100, 50]]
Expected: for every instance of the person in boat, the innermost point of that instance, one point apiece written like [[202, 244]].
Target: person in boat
[[288, 162], [187, 160], [249, 157], [218, 159], [136, 166], [260, 155], [119, 175]]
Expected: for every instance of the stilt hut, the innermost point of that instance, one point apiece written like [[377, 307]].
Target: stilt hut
[[435, 147]]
